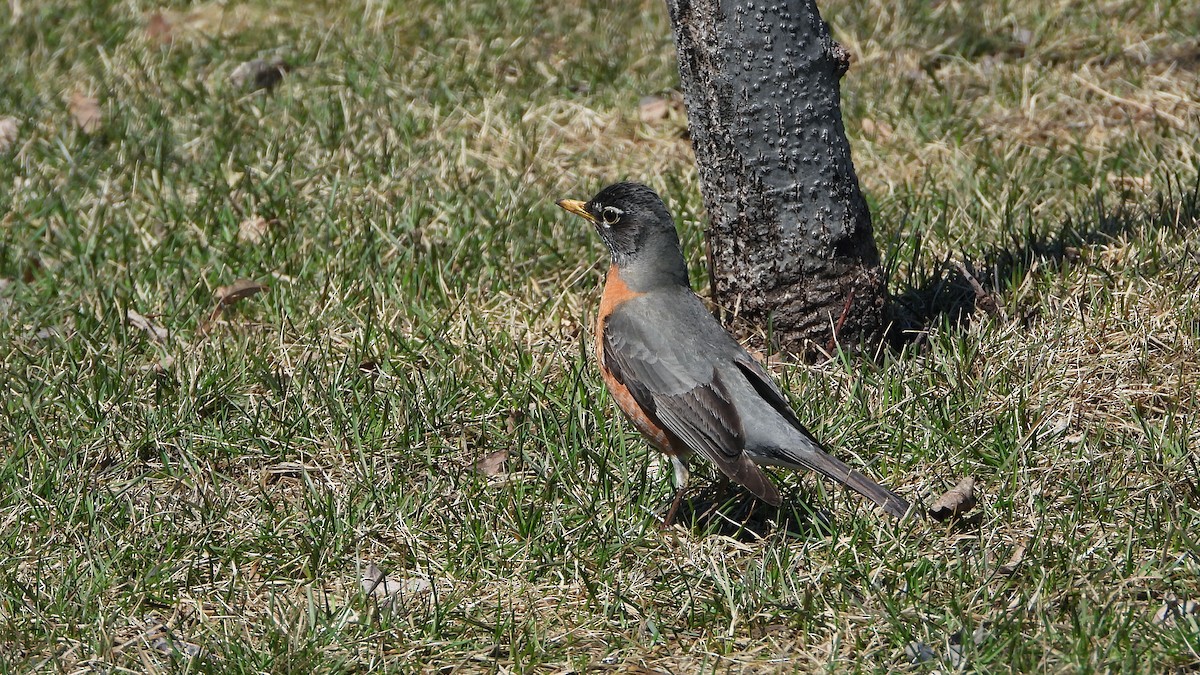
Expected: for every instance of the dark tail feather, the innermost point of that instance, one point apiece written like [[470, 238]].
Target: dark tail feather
[[757, 482], [830, 466], [811, 454], [747, 474]]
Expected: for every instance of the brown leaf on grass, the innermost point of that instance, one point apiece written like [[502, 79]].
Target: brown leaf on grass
[[491, 464], [878, 130], [960, 499], [956, 650], [919, 652], [1174, 610], [8, 132], [85, 110], [1022, 36], [158, 28], [258, 74], [654, 109], [1014, 561], [238, 290], [253, 229], [161, 366], [229, 295], [157, 333], [158, 635], [387, 592]]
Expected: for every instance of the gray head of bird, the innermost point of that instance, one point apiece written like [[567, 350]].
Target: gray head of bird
[[638, 230]]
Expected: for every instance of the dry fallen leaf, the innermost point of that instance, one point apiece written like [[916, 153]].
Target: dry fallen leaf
[[258, 74], [879, 130], [8, 132], [956, 653], [228, 295], [239, 290], [512, 422], [33, 267], [85, 110], [47, 333], [252, 230], [959, 500], [161, 366], [492, 464], [1014, 561], [387, 592], [158, 635], [158, 28], [919, 652], [1175, 610], [140, 322], [653, 109]]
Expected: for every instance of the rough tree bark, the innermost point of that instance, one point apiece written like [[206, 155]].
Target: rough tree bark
[[790, 239]]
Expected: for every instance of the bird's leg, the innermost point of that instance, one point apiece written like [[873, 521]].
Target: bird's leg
[[681, 481]]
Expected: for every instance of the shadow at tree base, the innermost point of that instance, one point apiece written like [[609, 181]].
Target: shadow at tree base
[[956, 292]]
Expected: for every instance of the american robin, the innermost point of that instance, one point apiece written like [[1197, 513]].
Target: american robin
[[678, 375]]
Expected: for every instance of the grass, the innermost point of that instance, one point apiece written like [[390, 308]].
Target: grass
[[208, 498]]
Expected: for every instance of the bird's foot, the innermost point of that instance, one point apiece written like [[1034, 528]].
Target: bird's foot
[[669, 519]]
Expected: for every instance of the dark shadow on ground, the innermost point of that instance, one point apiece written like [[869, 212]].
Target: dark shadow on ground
[[945, 296], [733, 512]]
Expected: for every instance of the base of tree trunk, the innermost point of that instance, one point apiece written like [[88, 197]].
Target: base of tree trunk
[[843, 306], [791, 243]]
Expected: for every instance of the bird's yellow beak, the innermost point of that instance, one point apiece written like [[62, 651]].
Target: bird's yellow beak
[[578, 208]]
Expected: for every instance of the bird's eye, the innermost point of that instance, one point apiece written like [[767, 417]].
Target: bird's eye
[[611, 215]]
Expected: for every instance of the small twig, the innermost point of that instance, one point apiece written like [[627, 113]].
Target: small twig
[[845, 313], [837, 328], [983, 300]]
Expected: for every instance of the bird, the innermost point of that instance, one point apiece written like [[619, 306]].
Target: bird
[[674, 371]]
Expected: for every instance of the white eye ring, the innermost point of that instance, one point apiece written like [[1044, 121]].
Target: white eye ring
[[611, 215]]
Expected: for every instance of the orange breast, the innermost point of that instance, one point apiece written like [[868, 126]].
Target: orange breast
[[616, 293]]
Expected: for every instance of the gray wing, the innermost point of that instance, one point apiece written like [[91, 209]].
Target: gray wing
[[679, 387]]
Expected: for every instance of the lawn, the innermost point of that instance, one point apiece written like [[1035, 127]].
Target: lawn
[[197, 478]]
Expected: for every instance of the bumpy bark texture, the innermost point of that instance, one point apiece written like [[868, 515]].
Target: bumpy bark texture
[[790, 235]]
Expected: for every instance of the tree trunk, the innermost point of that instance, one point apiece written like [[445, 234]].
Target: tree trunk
[[790, 241]]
